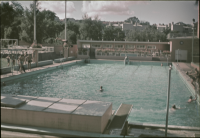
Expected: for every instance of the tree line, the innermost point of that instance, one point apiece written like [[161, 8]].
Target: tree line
[[18, 23]]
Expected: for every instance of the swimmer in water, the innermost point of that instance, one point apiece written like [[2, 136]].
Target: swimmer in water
[[161, 64], [101, 89], [190, 100], [4, 84], [174, 107]]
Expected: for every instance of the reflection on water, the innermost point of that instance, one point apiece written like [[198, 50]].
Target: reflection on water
[[143, 86]]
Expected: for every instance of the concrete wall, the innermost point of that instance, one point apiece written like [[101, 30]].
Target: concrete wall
[[122, 58], [5, 70], [73, 51], [58, 48], [68, 121], [46, 56], [187, 45], [177, 28]]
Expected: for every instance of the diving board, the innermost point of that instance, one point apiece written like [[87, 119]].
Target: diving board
[[120, 117]]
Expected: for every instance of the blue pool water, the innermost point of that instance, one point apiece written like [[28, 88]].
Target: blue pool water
[[144, 86]]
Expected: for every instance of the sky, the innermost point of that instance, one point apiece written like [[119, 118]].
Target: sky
[[151, 11]]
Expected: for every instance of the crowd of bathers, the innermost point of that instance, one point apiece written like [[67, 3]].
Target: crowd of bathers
[[194, 79], [23, 58]]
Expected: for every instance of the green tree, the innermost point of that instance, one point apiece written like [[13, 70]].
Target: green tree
[[133, 19], [46, 26], [11, 17], [72, 32], [90, 29], [150, 33]]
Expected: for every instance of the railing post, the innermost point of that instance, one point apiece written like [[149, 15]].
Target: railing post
[[168, 95]]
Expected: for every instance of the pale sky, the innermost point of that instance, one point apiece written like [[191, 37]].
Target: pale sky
[[152, 11]]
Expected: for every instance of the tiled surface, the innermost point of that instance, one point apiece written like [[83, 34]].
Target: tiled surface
[[11, 101], [72, 101], [61, 108], [39, 104], [94, 108]]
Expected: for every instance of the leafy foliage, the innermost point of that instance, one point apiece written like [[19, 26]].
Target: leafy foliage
[[10, 19], [46, 26], [150, 33], [90, 29]]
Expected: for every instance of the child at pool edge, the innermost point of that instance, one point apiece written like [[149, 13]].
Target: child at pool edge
[[101, 89], [190, 100]]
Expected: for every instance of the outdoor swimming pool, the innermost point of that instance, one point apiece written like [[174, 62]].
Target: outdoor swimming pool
[[144, 86]]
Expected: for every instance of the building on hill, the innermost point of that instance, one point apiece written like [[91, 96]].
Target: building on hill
[[161, 27]]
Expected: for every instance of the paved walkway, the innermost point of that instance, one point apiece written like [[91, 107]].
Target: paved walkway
[[157, 132], [6, 134]]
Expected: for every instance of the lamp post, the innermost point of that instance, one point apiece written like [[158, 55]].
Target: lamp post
[[35, 21], [193, 39], [168, 96]]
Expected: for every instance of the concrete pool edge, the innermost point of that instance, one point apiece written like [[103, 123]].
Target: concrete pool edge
[[172, 127], [69, 133], [40, 70], [186, 82], [53, 132]]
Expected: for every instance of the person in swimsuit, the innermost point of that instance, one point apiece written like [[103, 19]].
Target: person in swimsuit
[[8, 60], [13, 60], [101, 89], [28, 58], [174, 107], [21, 60], [190, 100]]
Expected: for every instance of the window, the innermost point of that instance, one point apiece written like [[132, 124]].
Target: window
[[86, 45], [140, 47], [151, 47], [118, 46], [130, 46], [107, 46], [96, 46]]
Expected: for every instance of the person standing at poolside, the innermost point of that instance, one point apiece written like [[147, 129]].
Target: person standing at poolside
[[21, 61], [25, 57], [8, 60], [13, 60], [28, 58]]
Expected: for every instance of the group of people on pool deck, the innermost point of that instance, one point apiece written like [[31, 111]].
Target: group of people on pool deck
[[189, 101], [21, 60], [194, 76]]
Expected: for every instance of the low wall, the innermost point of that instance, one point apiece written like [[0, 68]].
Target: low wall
[[33, 65], [51, 120], [44, 63], [122, 58], [46, 56], [195, 65], [83, 56], [5, 70], [59, 60]]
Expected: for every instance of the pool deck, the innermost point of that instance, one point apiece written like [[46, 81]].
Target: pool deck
[[181, 68], [16, 73]]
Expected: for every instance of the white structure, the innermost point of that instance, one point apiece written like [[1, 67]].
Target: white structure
[[161, 27], [181, 54], [128, 26]]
